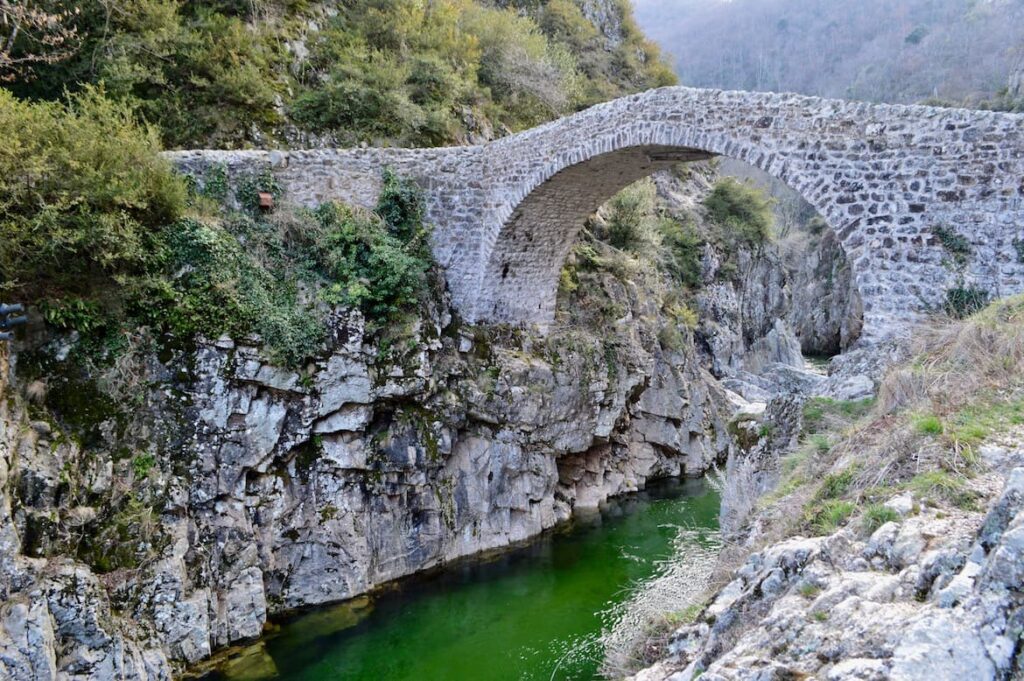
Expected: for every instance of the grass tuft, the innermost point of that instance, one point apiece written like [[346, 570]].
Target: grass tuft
[[826, 517], [942, 485], [876, 515], [928, 425]]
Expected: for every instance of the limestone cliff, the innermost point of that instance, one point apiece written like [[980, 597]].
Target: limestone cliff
[[147, 526]]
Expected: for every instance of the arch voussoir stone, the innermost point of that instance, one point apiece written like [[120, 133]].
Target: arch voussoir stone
[[884, 177]]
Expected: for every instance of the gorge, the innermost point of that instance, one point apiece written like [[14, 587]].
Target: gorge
[[452, 339]]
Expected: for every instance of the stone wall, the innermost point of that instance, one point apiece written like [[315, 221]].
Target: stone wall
[[883, 177]]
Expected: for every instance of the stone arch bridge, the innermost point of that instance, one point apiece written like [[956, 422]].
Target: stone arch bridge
[[884, 177]]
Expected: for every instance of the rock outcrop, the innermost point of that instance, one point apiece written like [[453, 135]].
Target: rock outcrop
[[138, 540], [827, 314], [932, 595]]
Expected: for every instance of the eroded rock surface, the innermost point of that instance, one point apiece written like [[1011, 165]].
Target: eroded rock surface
[[932, 595]]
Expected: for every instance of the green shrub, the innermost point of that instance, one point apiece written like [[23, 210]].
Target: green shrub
[[73, 314], [401, 207], [204, 78], [670, 338], [825, 517], [955, 244], [82, 193], [368, 266], [219, 74], [963, 301], [249, 187], [835, 485], [928, 425], [364, 100], [1018, 246], [243, 276], [527, 75], [92, 234], [142, 463], [213, 284], [630, 217], [681, 252], [742, 211], [820, 443], [809, 590]]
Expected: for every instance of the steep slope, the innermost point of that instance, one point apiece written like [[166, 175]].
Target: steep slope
[[890, 544], [952, 51], [223, 74]]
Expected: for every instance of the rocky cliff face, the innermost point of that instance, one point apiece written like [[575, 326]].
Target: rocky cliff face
[[165, 504], [824, 308], [741, 313], [827, 314], [145, 534]]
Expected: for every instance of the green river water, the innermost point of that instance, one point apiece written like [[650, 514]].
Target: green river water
[[534, 612]]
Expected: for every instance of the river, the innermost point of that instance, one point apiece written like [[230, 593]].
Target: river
[[533, 612]]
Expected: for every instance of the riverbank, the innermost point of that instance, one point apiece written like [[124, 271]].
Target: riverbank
[[891, 542]]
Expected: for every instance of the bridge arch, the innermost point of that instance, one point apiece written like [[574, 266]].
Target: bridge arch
[[520, 276], [882, 177]]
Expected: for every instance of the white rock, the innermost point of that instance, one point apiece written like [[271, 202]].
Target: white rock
[[352, 417], [902, 504], [938, 647]]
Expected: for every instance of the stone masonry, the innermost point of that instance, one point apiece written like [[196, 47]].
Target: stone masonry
[[884, 177]]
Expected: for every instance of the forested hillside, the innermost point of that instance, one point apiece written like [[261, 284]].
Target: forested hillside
[[943, 51], [236, 73]]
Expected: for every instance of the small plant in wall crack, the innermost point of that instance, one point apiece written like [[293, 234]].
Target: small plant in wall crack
[[964, 300], [1018, 245], [955, 244]]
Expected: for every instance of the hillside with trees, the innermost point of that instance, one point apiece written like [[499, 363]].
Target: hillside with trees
[[232, 73], [940, 51]]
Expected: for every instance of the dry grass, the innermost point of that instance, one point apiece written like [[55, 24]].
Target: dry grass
[[124, 379], [964, 384], [954, 361], [36, 392]]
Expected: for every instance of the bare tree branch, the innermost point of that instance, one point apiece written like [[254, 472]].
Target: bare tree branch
[[35, 32]]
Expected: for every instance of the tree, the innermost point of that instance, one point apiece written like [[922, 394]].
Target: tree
[[34, 32]]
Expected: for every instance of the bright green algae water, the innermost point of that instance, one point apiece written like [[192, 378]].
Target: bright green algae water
[[535, 612]]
